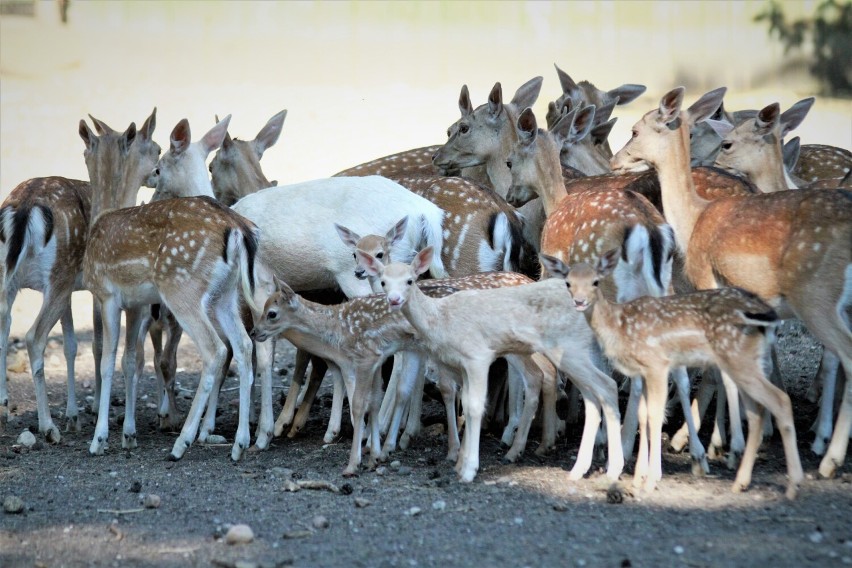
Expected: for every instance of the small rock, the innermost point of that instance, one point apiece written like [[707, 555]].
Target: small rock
[[560, 506], [239, 534], [215, 439], [320, 522], [53, 344], [816, 537], [283, 372], [360, 502], [413, 512], [678, 549], [113, 474], [26, 439], [381, 470], [297, 534], [614, 494], [246, 564], [135, 487], [439, 505], [151, 501], [346, 489], [519, 521], [395, 465], [19, 363], [13, 505], [404, 470], [434, 430]]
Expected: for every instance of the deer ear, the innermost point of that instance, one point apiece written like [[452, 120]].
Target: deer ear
[[87, 135], [791, 152], [562, 129], [350, 238], [215, 136], [626, 93], [793, 116], [554, 267], [527, 94], [101, 126], [527, 126], [608, 261], [603, 112], [180, 137], [422, 260], [286, 292], [565, 80], [767, 119], [127, 138], [495, 99], [371, 264], [397, 232], [269, 134], [705, 106], [465, 106], [582, 125], [670, 106], [721, 127], [601, 132], [147, 130]]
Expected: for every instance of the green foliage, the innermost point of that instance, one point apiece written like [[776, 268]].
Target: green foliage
[[830, 32]]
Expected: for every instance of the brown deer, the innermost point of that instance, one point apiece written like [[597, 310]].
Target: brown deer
[[791, 248], [192, 255], [648, 336]]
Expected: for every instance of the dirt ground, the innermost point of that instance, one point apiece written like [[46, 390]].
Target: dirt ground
[[87, 511]]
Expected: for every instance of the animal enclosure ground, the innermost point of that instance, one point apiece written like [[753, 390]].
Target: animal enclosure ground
[[86, 511]]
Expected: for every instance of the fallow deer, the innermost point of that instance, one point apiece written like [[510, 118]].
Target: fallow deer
[[728, 327], [417, 161], [357, 336], [235, 169], [583, 225], [470, 329], [484, 136], [790, 248], [192, 255]]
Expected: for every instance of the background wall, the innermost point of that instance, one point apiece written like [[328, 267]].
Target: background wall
[[363, 79]]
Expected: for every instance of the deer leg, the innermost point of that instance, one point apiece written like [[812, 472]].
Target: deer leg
[[264, 356], [407, 367], [696, 449], [628, 430], [827, 377], [737, 438], [413, 425], [208, 422], [657, 388], [7, 298], [333, 430], [69, 346], [97, 352], [213, 352], [168, 369], [448, 388], [374, 403], [110, 316], [358, 401], [285, 418], [549, 396], [640, 470], [389, 402], [533, 377], [514, 388], [133, 318], [473, 401], [54, 303], [706, 390], [309, 393]]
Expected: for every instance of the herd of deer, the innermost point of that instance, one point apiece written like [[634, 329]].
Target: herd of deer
[[651, 259]]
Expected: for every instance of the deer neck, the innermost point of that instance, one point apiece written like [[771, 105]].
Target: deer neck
[[499, 174], [422, 312], [772, 176], [604, 319], [549, 172], [315, 328], [681, 204], [117, 191]]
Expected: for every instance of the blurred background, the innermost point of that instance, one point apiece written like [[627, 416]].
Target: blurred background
[[366, 79]]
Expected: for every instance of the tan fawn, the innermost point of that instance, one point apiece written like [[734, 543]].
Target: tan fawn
[[791, 248], [728, 327], [192, 255], [470, 329]]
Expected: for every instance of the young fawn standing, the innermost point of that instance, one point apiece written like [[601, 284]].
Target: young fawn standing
[[470, 329], [727, 327]]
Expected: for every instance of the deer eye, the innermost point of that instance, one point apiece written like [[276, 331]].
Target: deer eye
[[568, 285], [595, 283], [509, 164], [380, 255], [355, 256], [272, 314], [383, 283], [449, 133], [635, 134], [464, 128], [726, 145], [410, 282]]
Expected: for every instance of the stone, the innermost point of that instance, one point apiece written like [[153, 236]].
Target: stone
[[151, 501], [239, 534], [320, 522], [26, 439], [13, 505]]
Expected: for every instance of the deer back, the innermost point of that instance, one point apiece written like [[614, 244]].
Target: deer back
[[416, 161], [820, 162]]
